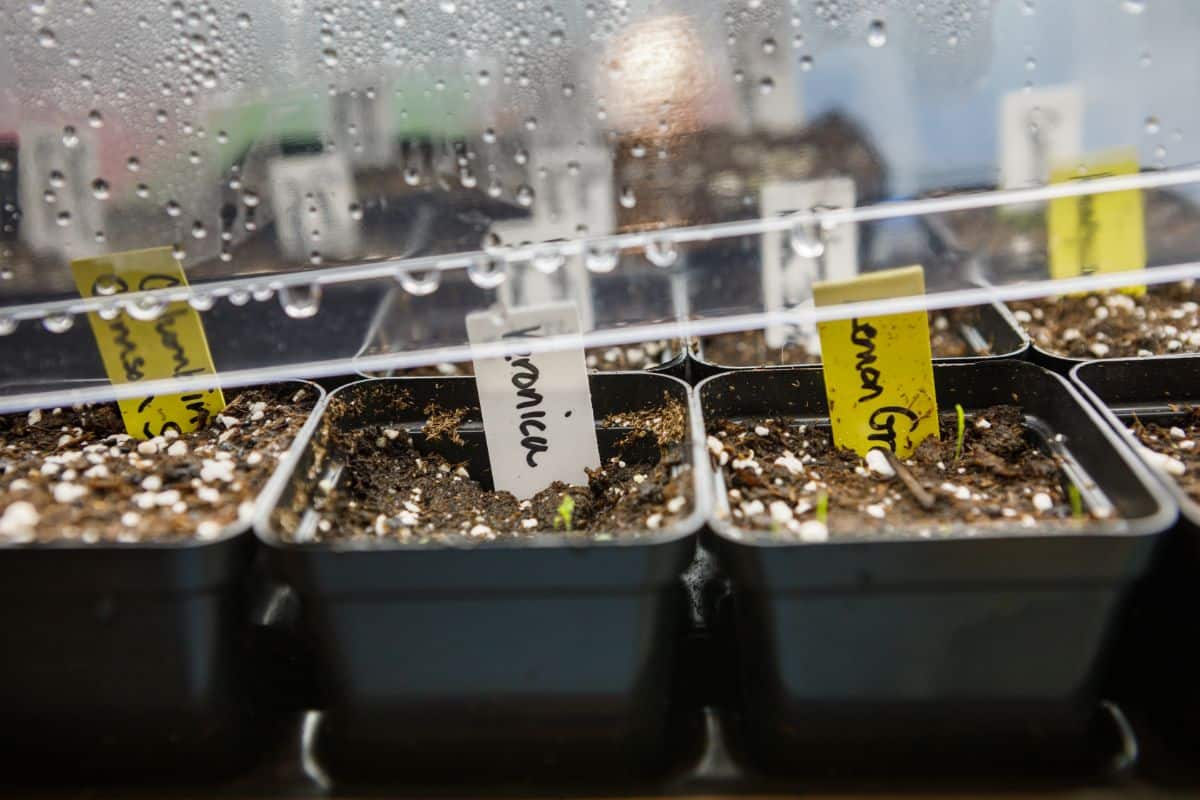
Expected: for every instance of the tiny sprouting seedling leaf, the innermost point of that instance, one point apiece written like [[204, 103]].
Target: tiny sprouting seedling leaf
[[962, 431], [565, 510], [1076, 501], [823, 508]]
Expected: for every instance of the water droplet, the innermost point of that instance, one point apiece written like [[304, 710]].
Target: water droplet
[[63, 219], [56, 179], [600, 258], [467, 178], [356, 212], [109, 312], [547, 259], [1028, 8], [199, 231], [766, 85], [262, 293], [329, 56], [1152, 125], [525, 195], [142, 191], [5, 165], [201, 301], [448, 6], [419, 283], [627, 198], [49, 197], [769, 46], [489, 135], [239, 297], [58, 323], [531, 124], [399, 18], [876, 33], [495, 188], [487, 273], [568, 90], [806, 242], [46, 38], [300, 302], [145, 308], [249, 199], [132, 164], [107, 285], [1133, 6], [172, 208], [411, 176], [38, 7], [520, 156], [806, 63], [243, 20], [8, 325], [1030, 64], [1160, 152], [100, 189], [661, 251], [1145, 60], [485, 77], [69, 137]]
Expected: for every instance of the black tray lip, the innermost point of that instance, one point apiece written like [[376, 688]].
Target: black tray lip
[[228, 534], [1188, 507], [684, 531], [1149, 526], [696, 352], [672, 366]]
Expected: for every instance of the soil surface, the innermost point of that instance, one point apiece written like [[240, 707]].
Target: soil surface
[[644, 356], [395, 486], [1178, 447], [776, 474], [73, 474], [749, 348], [1164, 320]]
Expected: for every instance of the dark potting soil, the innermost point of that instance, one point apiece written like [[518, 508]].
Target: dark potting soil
[[73, 474], [776, 473], [394, 488], [643, 356], [1164, 320], [1174, 450], [947, 337]]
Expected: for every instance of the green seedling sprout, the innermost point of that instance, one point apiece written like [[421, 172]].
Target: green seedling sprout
[[1076, 501], [565, 510], [823, 508], [962, 430]]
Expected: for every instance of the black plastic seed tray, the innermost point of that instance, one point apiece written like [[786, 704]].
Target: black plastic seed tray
[[128, 659], [985, 644], [549, 658]]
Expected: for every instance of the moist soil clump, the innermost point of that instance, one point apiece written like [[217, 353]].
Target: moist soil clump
[[396, 486], [73, 474], [643, 356], [778, 475], [1164, 320], [1174, 450], [948, 338]]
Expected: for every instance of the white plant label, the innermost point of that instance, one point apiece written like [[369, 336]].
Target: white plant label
[[537, 406], [787, 277], [312, 197], [1040, 129]]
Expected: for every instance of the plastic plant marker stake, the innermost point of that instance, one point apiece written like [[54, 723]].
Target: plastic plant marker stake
[[170, 345], [1097, 233], [878, 370], [536, 406]]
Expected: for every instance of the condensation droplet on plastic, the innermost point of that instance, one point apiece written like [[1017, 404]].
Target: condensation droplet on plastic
[[239, 297], [525, 195], [627, 198], [7, 326], [1152, 125], [100, 189], [56, 179], [600, 258], [243, 20], [805, 240], [489, 135], [661, 251], [411, 176], [495, 188], [399, 18], [109, 312], [172, 208], [63, 218], [448, 6], [419, 283], [132, 164], [199, 230], [1028, 8], [107, 285], [877, 33], [46, 38], [262, 293], [769, 46], [249, 199], [1030, 64], [201, 301], [145, 308], [58, 323], [1144, 60], [356, 212], [70, 138], [806, 63], [330, 57], [300, 302], [1133, 6], [766, 85], [487, 273]]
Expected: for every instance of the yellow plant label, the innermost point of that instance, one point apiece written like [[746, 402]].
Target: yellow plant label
[[170, 345], [878, 370], [1097, 233]]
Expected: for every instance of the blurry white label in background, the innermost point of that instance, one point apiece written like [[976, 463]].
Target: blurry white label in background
[[537, 407], [313, 197], [787, 275], [1040, 129], [61, 211]]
